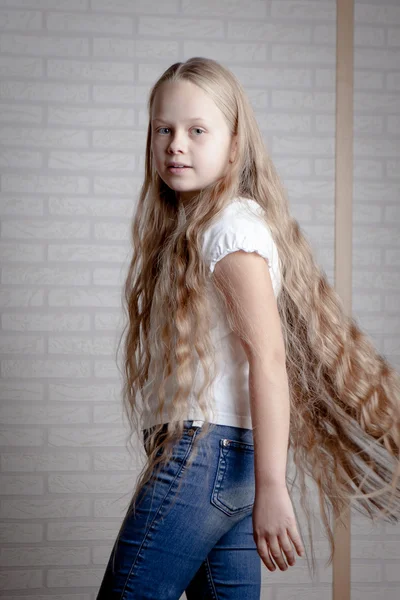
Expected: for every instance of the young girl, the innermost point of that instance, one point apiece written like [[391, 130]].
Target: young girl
[[237, 351]]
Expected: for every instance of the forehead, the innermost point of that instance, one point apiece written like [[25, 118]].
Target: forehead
[[190, 119], [182, 102]]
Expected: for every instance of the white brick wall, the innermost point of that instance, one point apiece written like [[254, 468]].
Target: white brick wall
[[376, 282], [73, 87]]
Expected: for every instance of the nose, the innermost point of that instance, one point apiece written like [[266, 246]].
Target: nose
[[177, 144]]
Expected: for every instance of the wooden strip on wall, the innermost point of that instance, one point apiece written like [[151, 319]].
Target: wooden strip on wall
[[343, 239]]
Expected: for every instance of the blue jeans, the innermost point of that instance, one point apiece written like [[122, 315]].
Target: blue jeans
[[199, 541]]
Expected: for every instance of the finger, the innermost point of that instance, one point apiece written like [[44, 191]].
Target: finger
[[263, 551], [294, 536], [287, 548], [276, 553]]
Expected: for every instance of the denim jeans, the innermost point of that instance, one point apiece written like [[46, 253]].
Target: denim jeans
[[199, 541]]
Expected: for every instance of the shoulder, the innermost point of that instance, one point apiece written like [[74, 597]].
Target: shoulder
[[241, 226], [241, 217]]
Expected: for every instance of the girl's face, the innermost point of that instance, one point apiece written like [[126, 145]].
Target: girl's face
[[188, 128]]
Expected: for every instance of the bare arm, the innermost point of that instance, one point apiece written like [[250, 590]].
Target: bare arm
[[270, 414], [246, 283]]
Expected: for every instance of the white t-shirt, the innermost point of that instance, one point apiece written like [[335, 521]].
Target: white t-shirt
[[238, 227]]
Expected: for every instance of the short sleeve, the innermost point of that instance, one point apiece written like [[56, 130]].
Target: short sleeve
[[238, 229]]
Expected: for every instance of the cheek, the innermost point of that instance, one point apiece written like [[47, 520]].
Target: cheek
[[154, 144], [156, 154]]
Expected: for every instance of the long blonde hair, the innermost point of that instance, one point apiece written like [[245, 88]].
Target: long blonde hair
[[344, 395]]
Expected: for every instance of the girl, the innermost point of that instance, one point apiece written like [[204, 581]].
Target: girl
[[237, 351]]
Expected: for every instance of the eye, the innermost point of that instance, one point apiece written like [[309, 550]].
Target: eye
[[198, 129]]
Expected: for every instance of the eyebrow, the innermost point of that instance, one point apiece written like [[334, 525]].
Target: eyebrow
[[191, 119]]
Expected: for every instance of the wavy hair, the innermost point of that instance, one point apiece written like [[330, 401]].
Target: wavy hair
[[344, 395]]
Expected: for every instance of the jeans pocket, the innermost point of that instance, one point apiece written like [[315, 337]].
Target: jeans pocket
[[234, 486]]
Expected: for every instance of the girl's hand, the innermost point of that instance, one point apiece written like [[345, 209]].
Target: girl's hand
[[274, 527]]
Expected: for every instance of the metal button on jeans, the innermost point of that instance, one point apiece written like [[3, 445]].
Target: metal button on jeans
[[226, 442], [190, 432]]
